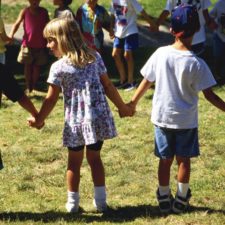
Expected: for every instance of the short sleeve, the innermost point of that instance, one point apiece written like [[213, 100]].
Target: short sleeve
[[148, 70], [203, 78], [136, 5], [55, 74], [100, 65]]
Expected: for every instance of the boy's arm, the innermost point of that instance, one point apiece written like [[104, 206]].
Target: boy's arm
[[149, 19], [210, 22], [162, 17], [142, 88], [214, 99], [26, 103], [16, 25]]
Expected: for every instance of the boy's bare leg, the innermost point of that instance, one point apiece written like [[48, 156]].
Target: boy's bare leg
[[164, 171], [35, 75], [184, 167], [28, 77], [128, 55], [117, 55]]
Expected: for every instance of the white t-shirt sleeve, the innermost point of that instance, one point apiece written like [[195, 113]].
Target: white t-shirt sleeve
[[148, 70], [204, 78], [169, 5], [55, 74], [136, 5]]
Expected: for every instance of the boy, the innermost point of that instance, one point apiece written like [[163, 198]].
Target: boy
[[178, 75], [126, 38], [198, 42]]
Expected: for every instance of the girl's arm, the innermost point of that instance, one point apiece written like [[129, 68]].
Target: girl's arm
[[142, 88], [16, 25], [112, 93], [47, 106]]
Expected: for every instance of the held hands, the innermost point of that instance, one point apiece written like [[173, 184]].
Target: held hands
[[32, 122], [127, 110]]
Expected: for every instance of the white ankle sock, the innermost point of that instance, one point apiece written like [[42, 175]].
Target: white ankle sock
[[100, 193], [182, 189], [72, 196], [164, 190]]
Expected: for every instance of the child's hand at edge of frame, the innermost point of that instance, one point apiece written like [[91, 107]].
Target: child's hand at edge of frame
[[33, 123]]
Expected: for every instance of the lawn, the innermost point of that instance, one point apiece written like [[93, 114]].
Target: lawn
[[33, 187]]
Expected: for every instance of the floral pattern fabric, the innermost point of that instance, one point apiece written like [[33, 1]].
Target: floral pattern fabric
[[88, 118]]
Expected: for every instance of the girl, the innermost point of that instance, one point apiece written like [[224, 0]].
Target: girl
[[81, 75], [63, 8], [33, 53]]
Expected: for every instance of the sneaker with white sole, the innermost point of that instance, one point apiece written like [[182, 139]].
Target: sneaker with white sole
[[181, 204], [72, 207], [101, 206], [165, 202], [129, 86]]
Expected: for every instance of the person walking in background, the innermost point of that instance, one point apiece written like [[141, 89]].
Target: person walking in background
[[81, 75], [179, 76], [124, 13], [92, 17], [198, 42], [63, 8], [33, 52], [218, 13]]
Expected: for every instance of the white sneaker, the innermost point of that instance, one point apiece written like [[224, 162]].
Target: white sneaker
[[101, 206], [72, 207]]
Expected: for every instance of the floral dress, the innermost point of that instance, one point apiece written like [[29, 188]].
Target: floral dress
[[88, 118]]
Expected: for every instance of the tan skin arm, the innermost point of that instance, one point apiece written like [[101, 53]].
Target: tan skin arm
[[114, 96], [214, 99], [16, 25], [142, 88], [26, 103], [162, 17], [47, 106], [210, 22], [149, 19]]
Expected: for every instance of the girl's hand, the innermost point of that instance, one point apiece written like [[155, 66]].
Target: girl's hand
[[32, 122], [126, 111]]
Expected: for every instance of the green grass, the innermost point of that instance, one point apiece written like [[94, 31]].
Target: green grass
[[33, 187]]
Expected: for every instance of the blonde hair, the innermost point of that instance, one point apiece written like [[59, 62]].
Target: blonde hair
[[70, 41]]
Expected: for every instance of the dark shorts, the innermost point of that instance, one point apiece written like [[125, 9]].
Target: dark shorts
[[128, 43], [9, 85], [93, 147], [179, 142]]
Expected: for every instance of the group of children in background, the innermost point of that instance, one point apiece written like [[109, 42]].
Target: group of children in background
[[82, 77]]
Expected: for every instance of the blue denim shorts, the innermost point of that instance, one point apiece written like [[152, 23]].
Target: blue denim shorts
[[130, 42], [179, 142]]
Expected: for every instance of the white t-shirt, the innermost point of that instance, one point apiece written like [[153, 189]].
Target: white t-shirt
[[125, 12], [217, 12], [179, 76], [201, 5]]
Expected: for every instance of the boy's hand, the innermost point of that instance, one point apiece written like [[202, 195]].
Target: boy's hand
[[33, 123]]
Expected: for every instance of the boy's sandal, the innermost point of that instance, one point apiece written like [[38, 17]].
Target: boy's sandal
[[165, 202], [181, 204]]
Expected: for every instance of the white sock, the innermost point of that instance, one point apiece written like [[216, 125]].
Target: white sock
[[72, 196], [164, 190], [182, 189], [100, 193]]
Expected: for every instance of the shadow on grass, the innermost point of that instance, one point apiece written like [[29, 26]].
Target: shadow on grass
[[119, 215]]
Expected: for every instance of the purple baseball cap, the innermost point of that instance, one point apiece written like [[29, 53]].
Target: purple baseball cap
[[184, 21]]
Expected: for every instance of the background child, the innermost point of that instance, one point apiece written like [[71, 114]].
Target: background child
[[92, 18], [81, 75], [126, 38], [181, 75], [10, 87], [218, 12], [33, 50], [198, 42], [63, 8]]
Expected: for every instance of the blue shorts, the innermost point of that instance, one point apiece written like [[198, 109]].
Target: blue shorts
[[179, 142], [128, 43]]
